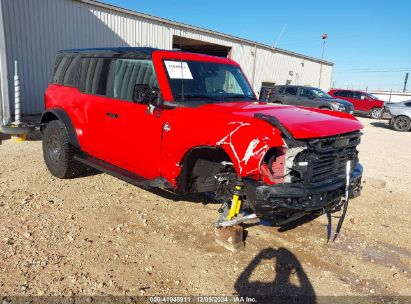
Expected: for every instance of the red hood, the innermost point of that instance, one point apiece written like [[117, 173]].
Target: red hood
[[300, 122]]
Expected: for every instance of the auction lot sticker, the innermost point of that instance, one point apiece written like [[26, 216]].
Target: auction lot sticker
[[178, 70]]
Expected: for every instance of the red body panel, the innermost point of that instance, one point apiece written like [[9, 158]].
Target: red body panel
[[137, 142], [363, 105]]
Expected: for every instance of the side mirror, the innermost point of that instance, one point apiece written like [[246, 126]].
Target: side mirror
[[145, 95], [156, 97]]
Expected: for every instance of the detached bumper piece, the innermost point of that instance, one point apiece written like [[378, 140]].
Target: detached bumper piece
[[284, 203]]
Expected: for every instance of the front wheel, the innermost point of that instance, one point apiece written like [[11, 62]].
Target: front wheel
[[401, 123], [375, 113], [58, 153]]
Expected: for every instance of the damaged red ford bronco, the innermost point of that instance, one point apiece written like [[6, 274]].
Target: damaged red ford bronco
[[192, 123]]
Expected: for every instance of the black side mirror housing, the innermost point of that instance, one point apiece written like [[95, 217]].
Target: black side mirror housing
[[143, 94]]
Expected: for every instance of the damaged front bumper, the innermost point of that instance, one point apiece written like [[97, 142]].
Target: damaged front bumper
[[281, 204]]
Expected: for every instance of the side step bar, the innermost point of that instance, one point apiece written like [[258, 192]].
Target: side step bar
[[120, 173]]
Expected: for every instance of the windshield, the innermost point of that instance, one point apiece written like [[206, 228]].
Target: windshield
[[207, 82], [372, 96], [321, 93]]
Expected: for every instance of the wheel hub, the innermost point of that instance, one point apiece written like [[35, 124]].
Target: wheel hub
[[401, 124], [54, 149], [376, 113]]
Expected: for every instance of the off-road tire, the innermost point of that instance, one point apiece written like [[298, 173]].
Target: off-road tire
[[401, 123], [375, 113], [58, 153]]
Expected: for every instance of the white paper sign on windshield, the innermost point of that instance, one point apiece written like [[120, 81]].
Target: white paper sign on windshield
[[178, 70]]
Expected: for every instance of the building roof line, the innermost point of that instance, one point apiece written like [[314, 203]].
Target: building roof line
[[196, 28]]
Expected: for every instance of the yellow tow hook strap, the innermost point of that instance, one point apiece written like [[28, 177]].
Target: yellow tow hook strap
[[235, 205]]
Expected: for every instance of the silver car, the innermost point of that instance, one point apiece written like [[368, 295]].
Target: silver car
[[399, 114]]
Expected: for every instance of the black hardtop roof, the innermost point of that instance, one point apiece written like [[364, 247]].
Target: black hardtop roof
[[129, 52]]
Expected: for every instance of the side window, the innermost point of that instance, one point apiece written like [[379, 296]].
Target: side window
[[356, 95], [291, 91], [305, 93], [279, 90], [348, 94], [363, 96], [340, 93], [126, 73], [408, 104], [66, 70], [93, 76]]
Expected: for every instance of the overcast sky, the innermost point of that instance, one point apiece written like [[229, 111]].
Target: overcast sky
[[369, 41]]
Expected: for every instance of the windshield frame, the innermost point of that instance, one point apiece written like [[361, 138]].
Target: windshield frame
[[204, 97], [160, 56]]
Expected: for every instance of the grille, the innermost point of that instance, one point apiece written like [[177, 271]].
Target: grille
[[325, 159]]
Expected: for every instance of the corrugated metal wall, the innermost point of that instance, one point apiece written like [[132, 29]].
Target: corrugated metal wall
[[36, 29]]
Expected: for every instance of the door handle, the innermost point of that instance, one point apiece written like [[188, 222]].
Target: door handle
[[113, 115]]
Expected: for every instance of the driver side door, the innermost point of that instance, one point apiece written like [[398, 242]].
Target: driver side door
[[134, 133], [306, 98]]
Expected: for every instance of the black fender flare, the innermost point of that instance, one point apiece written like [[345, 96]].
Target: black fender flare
[[60, 114]]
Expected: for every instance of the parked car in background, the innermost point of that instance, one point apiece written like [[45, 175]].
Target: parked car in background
[[364, 103], [399, 114], [308, 97]]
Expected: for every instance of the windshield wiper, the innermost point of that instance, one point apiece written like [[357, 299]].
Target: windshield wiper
[[239, 96], [184, 96]]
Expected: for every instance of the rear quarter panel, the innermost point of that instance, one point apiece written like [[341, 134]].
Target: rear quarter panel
[[65, 98]]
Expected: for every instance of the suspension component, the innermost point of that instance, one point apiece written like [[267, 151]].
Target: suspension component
[[236, 200]]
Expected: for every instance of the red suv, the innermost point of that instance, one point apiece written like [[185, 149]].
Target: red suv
[[192, 123], [363, 102]]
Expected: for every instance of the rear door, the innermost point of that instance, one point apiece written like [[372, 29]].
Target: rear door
[[94, 105], [290, 96]]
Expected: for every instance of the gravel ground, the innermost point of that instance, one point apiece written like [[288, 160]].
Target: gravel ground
[[97, 235]]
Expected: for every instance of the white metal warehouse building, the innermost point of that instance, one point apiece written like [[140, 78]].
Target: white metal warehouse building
[[31, 31]]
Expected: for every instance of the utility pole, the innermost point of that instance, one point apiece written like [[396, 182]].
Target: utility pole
[[323, 37], [405, 82]]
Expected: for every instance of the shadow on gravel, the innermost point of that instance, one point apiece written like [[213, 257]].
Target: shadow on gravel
[[380, 124], [171, 195], [299, 222], [289, 284], [33, 136]]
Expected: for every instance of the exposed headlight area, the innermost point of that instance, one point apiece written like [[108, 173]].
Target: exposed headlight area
[[339, 107]]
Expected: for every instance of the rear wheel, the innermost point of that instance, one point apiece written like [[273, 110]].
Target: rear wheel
[[401, 123], [375, 113], [58, 153]]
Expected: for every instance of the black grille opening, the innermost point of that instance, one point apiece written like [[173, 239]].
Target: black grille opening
[[325, 159]]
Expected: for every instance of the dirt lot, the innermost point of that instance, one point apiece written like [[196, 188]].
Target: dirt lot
[[97, 235]]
